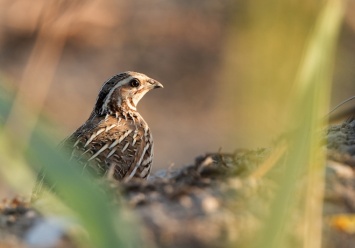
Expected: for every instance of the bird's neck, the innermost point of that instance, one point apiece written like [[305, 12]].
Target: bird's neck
[[125, 110], [121, 106], [128, 105]]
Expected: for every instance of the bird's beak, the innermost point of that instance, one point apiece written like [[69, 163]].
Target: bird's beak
[[158, 85], [155, 84]]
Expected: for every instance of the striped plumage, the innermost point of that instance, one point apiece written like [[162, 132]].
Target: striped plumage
[[116, 141]]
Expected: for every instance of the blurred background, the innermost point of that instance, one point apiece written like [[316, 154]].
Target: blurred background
[[58, 54]]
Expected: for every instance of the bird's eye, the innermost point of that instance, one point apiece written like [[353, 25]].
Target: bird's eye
[[134, 83]]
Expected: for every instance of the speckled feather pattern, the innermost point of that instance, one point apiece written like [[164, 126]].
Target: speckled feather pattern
[[113, 147], [115, 142]]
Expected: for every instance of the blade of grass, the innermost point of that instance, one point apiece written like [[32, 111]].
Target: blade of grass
[[19, 122], [14, 171], [311, 101], [317, 69], [80, 194]]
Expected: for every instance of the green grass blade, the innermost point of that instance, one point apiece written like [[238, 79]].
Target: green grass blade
[[305, 161]]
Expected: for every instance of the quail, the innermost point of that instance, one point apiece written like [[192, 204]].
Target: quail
[[115, 142]]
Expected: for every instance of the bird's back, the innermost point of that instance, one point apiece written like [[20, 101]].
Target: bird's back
[[113, 147]]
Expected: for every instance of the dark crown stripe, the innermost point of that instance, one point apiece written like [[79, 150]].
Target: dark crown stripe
[[106, 88]]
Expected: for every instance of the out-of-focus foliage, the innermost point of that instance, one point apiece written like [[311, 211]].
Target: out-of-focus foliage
[[289, 49]]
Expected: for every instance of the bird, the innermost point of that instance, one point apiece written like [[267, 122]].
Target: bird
[[115, 142]]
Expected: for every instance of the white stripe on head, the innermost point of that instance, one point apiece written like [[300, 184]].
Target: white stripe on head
[[121, 79], [108, 96]]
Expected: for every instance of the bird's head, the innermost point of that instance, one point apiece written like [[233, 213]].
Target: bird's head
[[122, 91]]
